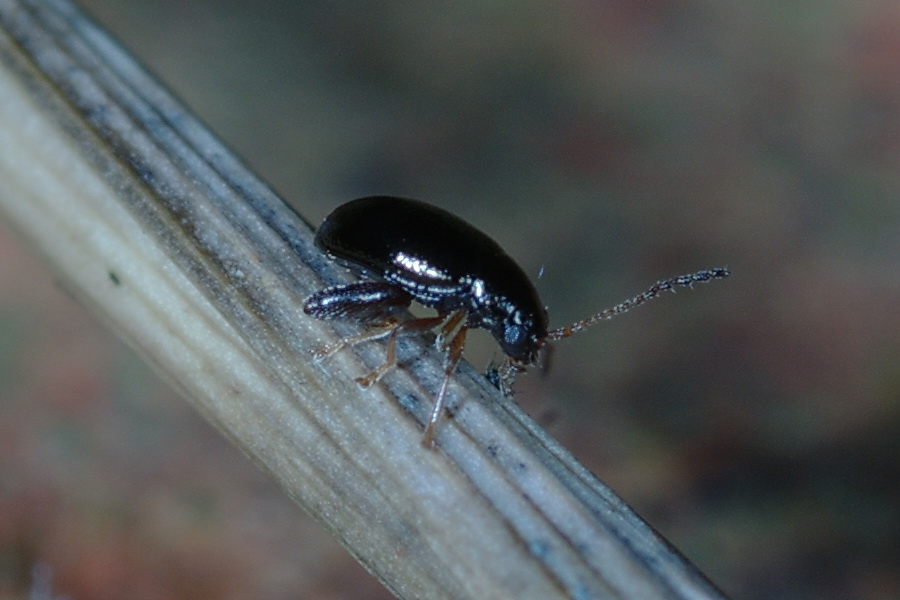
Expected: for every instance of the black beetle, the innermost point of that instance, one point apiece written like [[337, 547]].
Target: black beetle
[[410, 250]]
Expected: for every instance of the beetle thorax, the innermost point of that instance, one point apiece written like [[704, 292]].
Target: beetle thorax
[[485, 308], [518, 332]]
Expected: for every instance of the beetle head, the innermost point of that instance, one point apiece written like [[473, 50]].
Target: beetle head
[[520, 337]]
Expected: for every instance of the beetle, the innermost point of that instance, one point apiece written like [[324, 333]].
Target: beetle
[[408, 250]]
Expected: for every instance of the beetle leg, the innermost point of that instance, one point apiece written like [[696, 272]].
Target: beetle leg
[[454, 352], [364, 301], [374, 333], [447, 328], [510, 370], [390, 362]]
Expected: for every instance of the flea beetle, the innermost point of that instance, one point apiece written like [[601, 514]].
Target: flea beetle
[[408, 250]]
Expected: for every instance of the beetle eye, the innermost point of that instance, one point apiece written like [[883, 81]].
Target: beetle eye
[[515, 341], [513, 334]]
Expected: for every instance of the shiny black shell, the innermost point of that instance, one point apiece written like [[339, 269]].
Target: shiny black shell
[[442, 262]]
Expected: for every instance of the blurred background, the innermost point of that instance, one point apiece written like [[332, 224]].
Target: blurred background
[[605, 144]]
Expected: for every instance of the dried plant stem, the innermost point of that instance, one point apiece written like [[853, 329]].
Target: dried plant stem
[[151, 222]]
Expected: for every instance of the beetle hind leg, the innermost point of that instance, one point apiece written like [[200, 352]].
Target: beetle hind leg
[[363, 301], [371, 302]]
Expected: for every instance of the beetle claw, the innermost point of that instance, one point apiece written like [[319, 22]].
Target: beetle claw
[[371, 378], [325, 351]]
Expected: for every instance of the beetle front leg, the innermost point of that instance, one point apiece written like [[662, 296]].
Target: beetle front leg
[[454, 352]]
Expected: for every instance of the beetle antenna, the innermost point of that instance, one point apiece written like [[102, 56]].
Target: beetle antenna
[[687, 280]]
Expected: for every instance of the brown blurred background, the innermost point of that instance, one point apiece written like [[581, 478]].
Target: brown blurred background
[[753, 422]]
